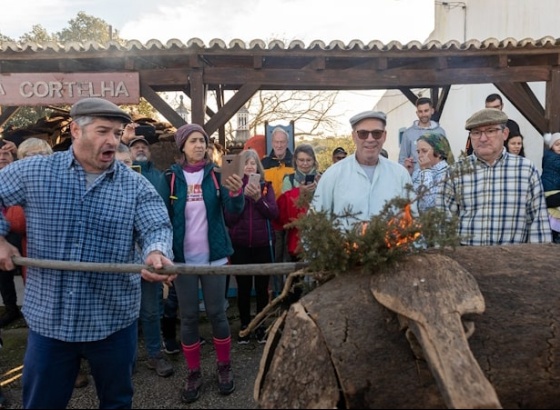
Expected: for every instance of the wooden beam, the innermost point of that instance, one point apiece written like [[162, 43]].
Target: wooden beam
[[408, 93], [161, 105], [523, 98], [553, 101], [7, 113], [198, 98], [231, 107], [364, 79], [444, 94]]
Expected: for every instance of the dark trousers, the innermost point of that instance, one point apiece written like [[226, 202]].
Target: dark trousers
[[242, 256], [50, 367], [7, 284]]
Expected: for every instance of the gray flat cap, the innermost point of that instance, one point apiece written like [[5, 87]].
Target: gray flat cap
[[486, 116], [368, 114], [98, 107]]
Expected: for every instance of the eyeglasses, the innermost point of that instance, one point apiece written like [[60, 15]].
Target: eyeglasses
[[490, 133], [304, 159], [339, 157], [376, 134]]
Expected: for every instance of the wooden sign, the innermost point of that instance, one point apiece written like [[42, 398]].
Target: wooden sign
[[32, 89]]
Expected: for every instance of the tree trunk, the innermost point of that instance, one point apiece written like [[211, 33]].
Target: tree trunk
[[339, 348]]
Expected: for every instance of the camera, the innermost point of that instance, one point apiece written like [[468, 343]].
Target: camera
[[148, 131]]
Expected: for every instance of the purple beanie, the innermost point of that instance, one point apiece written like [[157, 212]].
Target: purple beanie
[[184, 131]]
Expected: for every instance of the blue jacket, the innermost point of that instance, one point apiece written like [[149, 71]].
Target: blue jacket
[[216, 199]]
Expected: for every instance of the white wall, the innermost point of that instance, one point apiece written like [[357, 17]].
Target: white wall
[[500, 19]]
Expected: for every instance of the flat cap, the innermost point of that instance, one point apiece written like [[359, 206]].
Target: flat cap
[[368, 114], [486, 116], [98, 107], [339, 150]]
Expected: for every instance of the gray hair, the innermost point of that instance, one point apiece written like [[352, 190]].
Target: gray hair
[[32, 144], [306, 148], [250, 153], [280, 130]]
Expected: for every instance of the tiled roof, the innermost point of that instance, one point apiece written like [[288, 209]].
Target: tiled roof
[[260, 45]]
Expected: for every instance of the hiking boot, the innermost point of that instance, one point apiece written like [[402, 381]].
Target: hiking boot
[[243, 340], [162, 367], [11, 314], [193, 385], [225, 378], [171, 346], [260, 334]]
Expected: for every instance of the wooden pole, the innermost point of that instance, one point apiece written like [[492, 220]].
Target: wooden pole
[[176, 269]]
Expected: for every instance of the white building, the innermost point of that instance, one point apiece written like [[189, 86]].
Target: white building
[[478, 20]]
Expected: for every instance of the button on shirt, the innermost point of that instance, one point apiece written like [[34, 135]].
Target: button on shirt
[[69, 222], [497, 204]]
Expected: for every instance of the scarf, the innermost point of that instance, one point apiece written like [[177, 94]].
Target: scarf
[[194, 167]]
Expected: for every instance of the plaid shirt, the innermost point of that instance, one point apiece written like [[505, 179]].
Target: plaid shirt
[[66, 221], [497, 204]]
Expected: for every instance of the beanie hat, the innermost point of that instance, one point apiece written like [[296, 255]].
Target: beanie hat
[[184, 131], [550, 139]]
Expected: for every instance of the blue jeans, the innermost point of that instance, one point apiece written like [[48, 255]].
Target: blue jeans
[[171, 305], [50, 368], [150, 316]]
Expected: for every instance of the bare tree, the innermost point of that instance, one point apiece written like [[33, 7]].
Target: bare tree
[[311, 110]]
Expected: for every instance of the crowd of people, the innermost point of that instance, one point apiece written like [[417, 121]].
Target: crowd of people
[[104, 200]]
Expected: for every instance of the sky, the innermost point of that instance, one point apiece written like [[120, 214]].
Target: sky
[[286, 20]]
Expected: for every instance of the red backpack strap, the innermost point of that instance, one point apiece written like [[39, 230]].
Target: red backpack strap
[[172, 196]]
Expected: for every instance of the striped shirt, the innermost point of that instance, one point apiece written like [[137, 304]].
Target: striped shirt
[[497, 204], [101, 223]]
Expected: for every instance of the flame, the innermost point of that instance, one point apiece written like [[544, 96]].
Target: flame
[[394, 236], [395, 230]]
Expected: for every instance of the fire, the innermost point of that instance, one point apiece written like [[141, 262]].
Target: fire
[[394, 236]]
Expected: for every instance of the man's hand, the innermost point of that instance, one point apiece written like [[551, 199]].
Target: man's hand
[[156, 260], [10, 146], [128, 133], [7, 251]]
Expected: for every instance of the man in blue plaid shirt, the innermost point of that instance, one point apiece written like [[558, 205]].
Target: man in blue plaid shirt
[[497, 196], [81, 205]]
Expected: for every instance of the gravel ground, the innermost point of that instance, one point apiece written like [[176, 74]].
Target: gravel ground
[[151, 391]]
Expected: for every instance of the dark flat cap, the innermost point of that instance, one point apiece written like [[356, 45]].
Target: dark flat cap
[[98, 107], [339, 150], [368, 114], [486, 116]]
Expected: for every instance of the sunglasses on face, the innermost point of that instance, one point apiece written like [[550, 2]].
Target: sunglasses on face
[[376, 134]]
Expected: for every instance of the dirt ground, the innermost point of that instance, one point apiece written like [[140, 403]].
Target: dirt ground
[[151, 391]]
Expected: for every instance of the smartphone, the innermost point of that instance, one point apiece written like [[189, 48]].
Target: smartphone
[[231, 165], [145, 130], [255, 179], [309, 179]]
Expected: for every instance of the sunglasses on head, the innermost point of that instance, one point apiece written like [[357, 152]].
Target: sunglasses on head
[[376, 134]]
